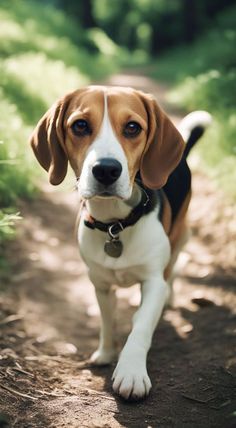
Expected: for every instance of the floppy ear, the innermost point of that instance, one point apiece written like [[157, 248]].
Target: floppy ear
[[164, 147], [47, 141]]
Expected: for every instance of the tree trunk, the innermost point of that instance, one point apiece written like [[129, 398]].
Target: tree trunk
[[190, 20]]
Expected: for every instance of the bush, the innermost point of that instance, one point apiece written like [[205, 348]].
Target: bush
[[43, 54], [204, 77]]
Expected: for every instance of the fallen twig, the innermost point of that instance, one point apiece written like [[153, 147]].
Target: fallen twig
[[20, 394], [93, 391], [43, 357], [22, 371], [51, 394], [11, 318], [89, 391], [197, 400], [225, 403], [79, 365]]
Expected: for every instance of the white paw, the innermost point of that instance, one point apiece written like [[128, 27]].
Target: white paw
[[102, 357], [131, 381]]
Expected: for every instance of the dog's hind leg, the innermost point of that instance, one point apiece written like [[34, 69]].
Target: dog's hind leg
[[171, 271], [106, 351], [178, 237]]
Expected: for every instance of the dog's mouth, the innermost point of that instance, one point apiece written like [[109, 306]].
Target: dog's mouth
[[106, 194], [100, 191]]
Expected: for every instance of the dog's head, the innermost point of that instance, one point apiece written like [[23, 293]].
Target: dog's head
[[107, 134]]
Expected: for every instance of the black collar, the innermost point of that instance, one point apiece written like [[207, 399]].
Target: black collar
[[148, 202]]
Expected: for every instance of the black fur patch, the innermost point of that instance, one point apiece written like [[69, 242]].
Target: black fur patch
[[177, 187], [196, 133]]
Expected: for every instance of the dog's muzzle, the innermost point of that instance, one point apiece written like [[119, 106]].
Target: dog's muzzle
[[107, 170]]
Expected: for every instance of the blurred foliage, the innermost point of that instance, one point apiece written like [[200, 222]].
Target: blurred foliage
[[43, 54], [148, 25], [7, 222], [49, 47], [203, 76], [202, 65]]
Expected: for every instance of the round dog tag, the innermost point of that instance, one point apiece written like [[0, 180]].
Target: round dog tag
[[113, 248]]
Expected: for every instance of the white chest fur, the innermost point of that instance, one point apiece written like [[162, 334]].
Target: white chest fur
[[146, 251]]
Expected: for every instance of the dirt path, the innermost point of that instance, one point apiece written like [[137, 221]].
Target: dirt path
[[50, 323]]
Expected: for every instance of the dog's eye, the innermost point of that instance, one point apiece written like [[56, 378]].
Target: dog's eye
[[132, 129], [80, 127]]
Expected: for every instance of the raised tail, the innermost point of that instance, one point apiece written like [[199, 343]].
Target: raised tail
[[192, 127]]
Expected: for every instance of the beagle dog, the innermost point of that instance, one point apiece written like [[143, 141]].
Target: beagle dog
[[135, 185]]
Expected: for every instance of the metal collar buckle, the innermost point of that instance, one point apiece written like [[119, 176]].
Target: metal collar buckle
[[115, 229]]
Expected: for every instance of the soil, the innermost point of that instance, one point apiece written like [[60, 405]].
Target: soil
[[50, 322]]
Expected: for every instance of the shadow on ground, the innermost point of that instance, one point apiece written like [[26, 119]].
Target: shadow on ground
[[44, 350], [50, 325]]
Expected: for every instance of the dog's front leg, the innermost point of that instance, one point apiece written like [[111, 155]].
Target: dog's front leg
[[130, 376], [106, 352]]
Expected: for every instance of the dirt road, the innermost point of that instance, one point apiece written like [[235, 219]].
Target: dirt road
[[50, 323]]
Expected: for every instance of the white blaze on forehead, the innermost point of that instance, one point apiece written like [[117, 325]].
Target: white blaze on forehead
[[106, 132], [106, 143]]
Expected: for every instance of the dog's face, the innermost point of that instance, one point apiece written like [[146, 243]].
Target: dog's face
[[107, 135]]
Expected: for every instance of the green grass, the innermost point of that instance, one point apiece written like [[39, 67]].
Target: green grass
[[203, 77], [43, 55]]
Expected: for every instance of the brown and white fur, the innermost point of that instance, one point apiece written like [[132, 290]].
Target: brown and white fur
[[93, 124]]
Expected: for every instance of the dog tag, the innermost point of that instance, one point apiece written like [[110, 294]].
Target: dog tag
[[113, 247]]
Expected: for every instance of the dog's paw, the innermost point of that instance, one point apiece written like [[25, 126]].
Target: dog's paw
[[102, 357], [131, 381]]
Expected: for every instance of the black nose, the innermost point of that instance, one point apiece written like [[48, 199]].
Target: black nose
[[107, 170]]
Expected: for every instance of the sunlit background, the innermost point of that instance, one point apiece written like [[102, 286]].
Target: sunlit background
[[51, 46], [183, 51]]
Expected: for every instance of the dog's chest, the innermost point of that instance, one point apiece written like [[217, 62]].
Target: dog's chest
[[145, 250]]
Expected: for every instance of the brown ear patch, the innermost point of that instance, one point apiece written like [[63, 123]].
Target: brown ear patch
[[164, 147], [47, 141]]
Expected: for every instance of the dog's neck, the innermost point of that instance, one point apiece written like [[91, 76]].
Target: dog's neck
[[110, 209]]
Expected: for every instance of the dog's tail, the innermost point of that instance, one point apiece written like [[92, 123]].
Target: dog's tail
[[192, 127]]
